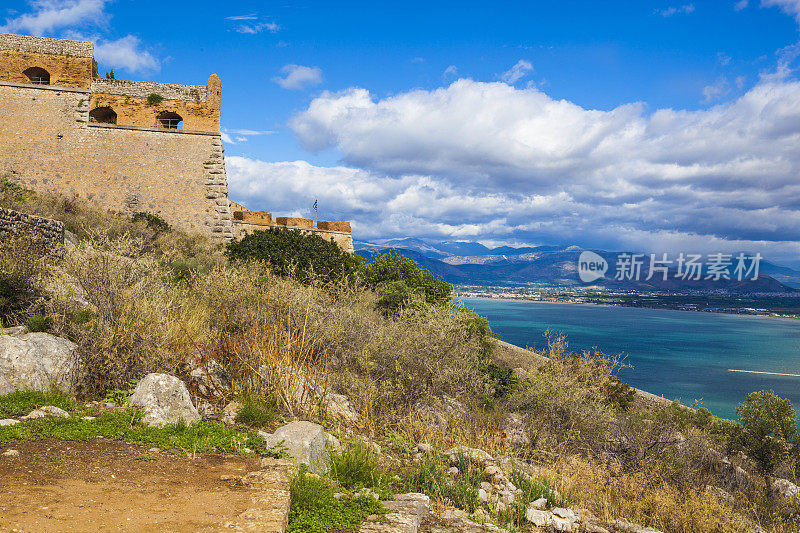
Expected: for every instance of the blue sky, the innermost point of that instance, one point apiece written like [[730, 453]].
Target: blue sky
[[656, 126]]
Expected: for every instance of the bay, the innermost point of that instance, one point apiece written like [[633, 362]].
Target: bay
[[680, 355]]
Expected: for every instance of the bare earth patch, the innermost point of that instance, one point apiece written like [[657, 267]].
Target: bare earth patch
[[108, 485]]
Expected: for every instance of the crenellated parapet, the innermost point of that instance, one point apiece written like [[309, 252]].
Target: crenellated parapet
[[245, 221]]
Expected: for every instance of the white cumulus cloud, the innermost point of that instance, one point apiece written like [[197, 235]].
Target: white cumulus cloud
[[127, 53], [495, 158], [790, 7], [50, 15], [297, 77]]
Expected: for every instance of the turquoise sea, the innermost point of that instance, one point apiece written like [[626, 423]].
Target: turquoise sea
[[677, 354]]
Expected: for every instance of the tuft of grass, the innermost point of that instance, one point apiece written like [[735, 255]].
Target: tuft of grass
[[316, 510], [202, 437], [356, 466], [38, 322], [257, 412], [22, 402], [430, 476], [121, 396], [154, 99], [145, 458], [532, 489]]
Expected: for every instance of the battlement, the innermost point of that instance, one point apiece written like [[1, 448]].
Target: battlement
[[245, 220], [44, 62], [46, 45], [143, 89]]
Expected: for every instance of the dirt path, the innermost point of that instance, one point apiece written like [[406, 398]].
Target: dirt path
[[107, 485]]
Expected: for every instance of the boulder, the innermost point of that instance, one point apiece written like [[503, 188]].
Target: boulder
[[211, 380], [230, 412], [164, 400], [514, 430], [338, 406], [538, 517], [629, 527], [472, 454], [785, 488], [540, 504], [305, 441], [47, 411], [439, 412], [37, 361]]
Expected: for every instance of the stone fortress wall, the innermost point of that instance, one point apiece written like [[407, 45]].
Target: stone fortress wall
[[49, 142], [245, 221], [125, 145]]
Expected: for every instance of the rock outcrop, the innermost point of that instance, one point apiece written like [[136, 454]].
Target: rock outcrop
[[164, 400], [37, 361]]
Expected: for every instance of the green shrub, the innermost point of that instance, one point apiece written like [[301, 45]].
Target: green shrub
[[257, 412], [399, 280], [186, 269], [152, 220], [769, 435], [121, 396], [11, 191], [22, 402], [38, 322], [502, 380], [293, 253], [154, 99], [315, 509], [618, 394]]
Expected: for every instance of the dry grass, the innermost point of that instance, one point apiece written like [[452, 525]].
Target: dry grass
[[136, 301]]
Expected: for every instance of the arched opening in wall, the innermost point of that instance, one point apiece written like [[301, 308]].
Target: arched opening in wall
[[37, 75], [170, 120], [103, 115]]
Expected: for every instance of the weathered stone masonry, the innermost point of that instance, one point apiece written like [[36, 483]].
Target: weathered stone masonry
[[51, 231], [49, 144], [125, 145]]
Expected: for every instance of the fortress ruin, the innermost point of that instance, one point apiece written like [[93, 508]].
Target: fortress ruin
[[128, 146]]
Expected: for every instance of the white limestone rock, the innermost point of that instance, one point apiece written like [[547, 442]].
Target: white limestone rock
[[38, 361], [164, 400], [48, 411], [305, 441]]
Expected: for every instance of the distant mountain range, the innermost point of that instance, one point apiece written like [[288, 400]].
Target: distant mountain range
[[462, 262]]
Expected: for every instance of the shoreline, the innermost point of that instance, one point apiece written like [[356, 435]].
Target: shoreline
[[528, 300], [643, 398]]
